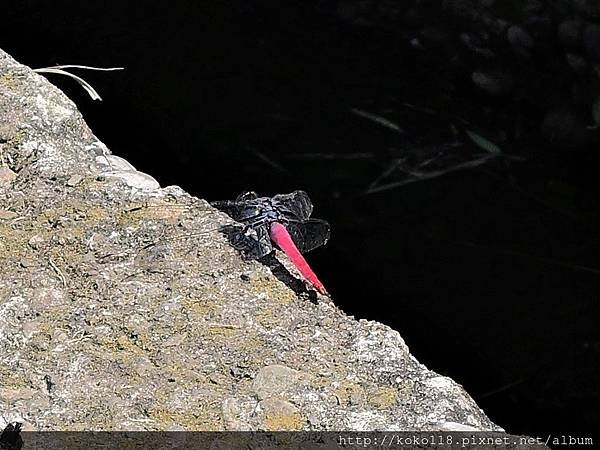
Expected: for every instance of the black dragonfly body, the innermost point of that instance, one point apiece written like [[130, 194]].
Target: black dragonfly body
[[292, 210], [262, 218]]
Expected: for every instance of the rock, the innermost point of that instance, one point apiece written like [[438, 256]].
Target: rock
[[280, 415], [120, 323], [7, 215], [114, 163], [118, 168], [74, 180], [381, 398], [453, 426], [138, 180], [11, 395], [275, 380], [6, 176], [231, 412]]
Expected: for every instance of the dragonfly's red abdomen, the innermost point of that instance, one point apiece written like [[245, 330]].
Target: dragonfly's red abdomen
[[282, 238]]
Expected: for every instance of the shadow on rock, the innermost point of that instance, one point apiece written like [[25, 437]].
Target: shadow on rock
[[252, 248]]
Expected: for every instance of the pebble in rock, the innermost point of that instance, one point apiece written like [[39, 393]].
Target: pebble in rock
[[6, 176]]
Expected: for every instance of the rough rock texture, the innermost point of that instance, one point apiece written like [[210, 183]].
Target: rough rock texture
[[110, 319]]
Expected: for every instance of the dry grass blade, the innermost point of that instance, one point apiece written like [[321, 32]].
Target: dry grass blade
[[482, 142], [269, 161], [420, 176], [78, 66], [378, 119], [393, 166], [84, 84]]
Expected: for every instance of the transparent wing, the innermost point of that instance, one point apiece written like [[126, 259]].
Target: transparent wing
[[229, 207], [246, 195], [297, 202], [242, 209], [310, 234]]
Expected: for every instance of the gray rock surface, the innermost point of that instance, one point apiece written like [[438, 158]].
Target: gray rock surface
[[123, 307]]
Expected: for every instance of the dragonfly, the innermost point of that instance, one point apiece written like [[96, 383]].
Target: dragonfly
[[283, 220]]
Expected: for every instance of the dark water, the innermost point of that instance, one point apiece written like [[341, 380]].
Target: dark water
[[492, 283]]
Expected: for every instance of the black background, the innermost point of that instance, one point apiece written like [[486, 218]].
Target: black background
[[491, 284]]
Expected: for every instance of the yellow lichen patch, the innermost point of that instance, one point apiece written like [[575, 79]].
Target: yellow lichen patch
[[95, 214], [163, 211], [13, 243], [72, 216], [224, 330], [349, 393], [123, 343], [239, 339], [16, 140], [383, 397], [185, 374], [8, 80], [66, 225], [195, 419], [198, 308], [267, 317], [10, 378], [281, 415], [284, 422], [255, 346], [273, 288]]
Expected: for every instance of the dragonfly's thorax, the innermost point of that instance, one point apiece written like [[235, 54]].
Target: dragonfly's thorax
[[266, 211]]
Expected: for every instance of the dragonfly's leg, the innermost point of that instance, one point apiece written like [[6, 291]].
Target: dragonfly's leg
[[254, 223], [223, 204], [250, 239]]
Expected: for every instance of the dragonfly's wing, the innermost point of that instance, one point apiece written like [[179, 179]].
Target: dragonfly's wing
[[231, 208], [242, 211], [310, 234], [252, 242], [246, 195], [297, 202]]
